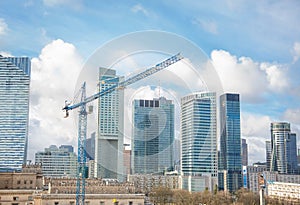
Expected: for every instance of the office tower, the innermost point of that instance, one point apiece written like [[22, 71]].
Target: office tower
[[153, 136], [284, 148], [57, 162], [90, 147], [291, 153], [109, 142], [244, 153], [199, 165], [268, 154], [279, 134], [230, 142], [14, 112]]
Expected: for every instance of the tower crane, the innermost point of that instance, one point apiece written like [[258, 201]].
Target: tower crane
[[82, 127]]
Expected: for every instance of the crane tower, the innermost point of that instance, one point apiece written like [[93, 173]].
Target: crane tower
[[82, 127]]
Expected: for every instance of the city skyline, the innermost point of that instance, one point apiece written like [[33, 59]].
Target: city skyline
[[253, 46]]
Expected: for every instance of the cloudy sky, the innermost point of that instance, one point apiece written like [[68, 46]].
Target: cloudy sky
[[253, 45]]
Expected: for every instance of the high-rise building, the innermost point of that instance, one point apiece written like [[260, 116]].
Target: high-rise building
[[244, 153], [230, 143], [199, 162], [110, 139], [284, 148], [14, 111], [57, 162], [291, 153], [90, 147], [153, 136], [268, 154]]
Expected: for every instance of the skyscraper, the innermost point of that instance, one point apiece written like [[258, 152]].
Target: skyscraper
[[291, 152], [230, 143], [153, 136], [284, 148], [244, 153], [109, 143], [14, 111], [268, 154], [57, 162], [199, 163]]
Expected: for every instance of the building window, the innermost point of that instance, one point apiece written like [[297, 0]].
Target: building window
[[130, 203], [72, 202], [56, 203], [102, 203], [18, 182], [15, 198]]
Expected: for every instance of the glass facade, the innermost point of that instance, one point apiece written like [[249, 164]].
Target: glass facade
[[57, 162], [284, 148], [230, 142], [153, 136], [198, 138], [110, 139], [14, 111]]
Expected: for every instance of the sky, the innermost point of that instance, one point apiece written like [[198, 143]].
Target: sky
[[254, 47]]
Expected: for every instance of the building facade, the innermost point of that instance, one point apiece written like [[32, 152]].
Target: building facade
[[153, 136], [268, 154], [244, 153], [284, 148], [14, 112], [199, 141], [57, 162], [110, 136], [230, 143]]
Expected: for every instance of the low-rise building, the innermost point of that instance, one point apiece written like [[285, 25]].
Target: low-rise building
[[286, 191]]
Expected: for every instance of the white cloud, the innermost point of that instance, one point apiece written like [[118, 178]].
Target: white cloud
[[53, 77], [256, 130], [6, 54], [139, 8], [249, 78], [293, 116], [3, 27], [207, 25], [296, 51]]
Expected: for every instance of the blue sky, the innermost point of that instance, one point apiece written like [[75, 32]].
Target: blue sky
[[254, 46]]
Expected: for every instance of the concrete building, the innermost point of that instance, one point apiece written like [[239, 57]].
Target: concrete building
[[127, 162], [254, 174], [153, 136], [230, 170], [244, 153], [287, 191], [110, 139], [144, 183], [199, 163], [14, 111], [57, 162]]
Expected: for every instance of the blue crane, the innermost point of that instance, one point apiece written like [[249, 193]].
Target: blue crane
[[82, 128]]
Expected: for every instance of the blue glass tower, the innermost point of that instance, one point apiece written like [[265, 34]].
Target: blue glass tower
[[230, 167], [199, 165], [14, 111], [153, 136]]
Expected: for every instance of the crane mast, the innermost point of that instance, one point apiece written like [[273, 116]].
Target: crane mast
[[82, 128]]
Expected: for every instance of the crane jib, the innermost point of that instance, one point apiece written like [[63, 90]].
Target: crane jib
[[131, 80]]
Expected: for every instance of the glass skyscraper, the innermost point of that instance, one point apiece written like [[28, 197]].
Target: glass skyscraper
[[199, 162], [14, 111], [153, 136], [284, 150], [110, 139], [230, 170]]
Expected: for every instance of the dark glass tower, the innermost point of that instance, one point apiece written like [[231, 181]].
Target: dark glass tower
[[14, 111], [230, 143]]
